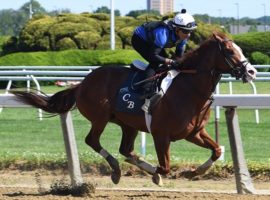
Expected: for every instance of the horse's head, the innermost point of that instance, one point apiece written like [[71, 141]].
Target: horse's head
[[234, 61]]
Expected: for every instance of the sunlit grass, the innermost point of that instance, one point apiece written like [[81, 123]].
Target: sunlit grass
[[25, 138]]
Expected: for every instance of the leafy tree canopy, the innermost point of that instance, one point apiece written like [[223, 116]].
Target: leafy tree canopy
[[105, 9], [136, 13]]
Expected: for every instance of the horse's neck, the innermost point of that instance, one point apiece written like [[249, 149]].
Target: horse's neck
[[202, 83], [201, 59]]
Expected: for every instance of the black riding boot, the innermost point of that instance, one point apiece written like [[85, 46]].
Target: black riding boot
[[150, 103], [149, 87]]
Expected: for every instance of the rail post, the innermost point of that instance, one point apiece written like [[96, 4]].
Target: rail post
[[243, 180], [71, 149]]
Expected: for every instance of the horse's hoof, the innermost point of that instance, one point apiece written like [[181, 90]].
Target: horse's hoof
[[115, 176], [189, 174], [131, 160], [157, 179]]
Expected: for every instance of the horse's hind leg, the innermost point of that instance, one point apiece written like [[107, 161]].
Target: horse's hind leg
[[129, 135], [92, 139], [204, 140]]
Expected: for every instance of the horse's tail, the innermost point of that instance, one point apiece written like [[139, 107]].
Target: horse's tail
[[59, 103]]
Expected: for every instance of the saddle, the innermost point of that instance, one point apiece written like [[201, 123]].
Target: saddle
[[138, 86]]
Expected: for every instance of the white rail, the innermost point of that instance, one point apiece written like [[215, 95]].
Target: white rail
[[242, 100], [224, 100]]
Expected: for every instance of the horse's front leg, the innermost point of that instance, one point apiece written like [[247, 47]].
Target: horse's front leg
[[162, 146], [204, 140]]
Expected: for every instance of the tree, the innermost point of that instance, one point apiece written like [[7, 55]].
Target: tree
[[36, 7], [12, 21], [105, 9], [136, 13], [7, 21], [59, 11]]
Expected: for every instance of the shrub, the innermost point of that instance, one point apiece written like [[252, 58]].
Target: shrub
[[47, 33], [105, 42], [260, 59], [34, 36], [148, 17], [65, 44], [106, 28], [3, 40], [100, 16], [125, 35], [251, 42], [92, 31], [204, 31], [87, 40], [73, 57], [10, 45], [125, 19]]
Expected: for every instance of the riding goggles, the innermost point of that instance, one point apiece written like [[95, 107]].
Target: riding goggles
[[186, 31]]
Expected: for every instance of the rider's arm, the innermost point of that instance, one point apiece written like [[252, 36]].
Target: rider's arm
[[154, 54], [155, 57], [161, 37], [180, 48]]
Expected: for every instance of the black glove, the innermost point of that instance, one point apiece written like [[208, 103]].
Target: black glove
[[174, 64]]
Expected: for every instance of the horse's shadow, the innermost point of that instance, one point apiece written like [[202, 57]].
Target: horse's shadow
[[23, 194]]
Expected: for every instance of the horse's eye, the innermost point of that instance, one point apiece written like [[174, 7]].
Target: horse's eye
[[230, 52]]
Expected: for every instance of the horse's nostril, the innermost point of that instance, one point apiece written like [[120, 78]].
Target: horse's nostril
[[251, 72]]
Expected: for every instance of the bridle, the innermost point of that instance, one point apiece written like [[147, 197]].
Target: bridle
[[237, 70]]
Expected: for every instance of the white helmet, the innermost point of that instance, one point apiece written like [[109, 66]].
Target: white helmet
[[184, 20]]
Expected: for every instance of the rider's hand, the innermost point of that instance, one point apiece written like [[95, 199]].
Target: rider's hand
[[174, 64]]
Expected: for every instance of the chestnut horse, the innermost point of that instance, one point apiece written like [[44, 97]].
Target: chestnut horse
[[182, 113]]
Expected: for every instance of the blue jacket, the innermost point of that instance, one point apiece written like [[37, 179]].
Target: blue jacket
[[163, 38]]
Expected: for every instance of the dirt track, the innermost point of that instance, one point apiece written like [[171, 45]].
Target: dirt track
[[33, 186]]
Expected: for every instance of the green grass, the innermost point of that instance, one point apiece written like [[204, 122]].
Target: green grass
[[240, 88], [26, 139]]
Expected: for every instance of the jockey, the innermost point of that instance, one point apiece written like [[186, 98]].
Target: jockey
[[151, 39]]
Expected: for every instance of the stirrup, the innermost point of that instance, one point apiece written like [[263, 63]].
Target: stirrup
[[146, 105], [150, 103]]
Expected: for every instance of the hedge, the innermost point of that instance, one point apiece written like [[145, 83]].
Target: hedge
[[84, 31], [92, 31], [253, 41], [70, 58]]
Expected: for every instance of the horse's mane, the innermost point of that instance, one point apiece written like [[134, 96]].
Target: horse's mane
[[203, 45]]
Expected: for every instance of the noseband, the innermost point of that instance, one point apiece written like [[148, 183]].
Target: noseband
[[237, 70]]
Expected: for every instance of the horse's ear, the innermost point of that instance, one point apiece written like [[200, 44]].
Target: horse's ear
[[217, 37]]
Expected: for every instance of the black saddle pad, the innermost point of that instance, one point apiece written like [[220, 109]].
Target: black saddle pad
[[129, 97]]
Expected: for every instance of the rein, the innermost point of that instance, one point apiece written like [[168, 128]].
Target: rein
[[237, 70], [154, 77]]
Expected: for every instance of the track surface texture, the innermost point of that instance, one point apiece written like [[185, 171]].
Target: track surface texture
[[38, 184]]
